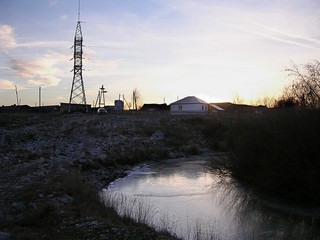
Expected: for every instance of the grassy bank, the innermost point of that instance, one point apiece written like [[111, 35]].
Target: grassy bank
[[278, 155], [66, 206], [54, 165]]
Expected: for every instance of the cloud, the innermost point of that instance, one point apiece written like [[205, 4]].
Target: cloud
[[283, 37], [98, 67], [42, 71], [53, 3], [60, 98], [44, 81], [44, 44], [5, 84], [7, 39], [268, 19], [64, 17]]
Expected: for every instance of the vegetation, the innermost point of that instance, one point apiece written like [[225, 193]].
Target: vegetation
[[74, 211], [305, 88], [278, 153]]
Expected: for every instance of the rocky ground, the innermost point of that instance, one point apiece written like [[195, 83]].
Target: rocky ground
[[53, 166]]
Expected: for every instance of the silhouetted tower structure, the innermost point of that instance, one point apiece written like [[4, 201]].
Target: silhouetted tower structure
[[100, 98], [77, 95]]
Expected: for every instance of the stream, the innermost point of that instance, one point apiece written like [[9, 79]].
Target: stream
[[190, 199]]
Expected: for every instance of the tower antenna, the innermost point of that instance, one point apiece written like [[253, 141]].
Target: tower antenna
[[77, 95], [79, 11], [101, 102]]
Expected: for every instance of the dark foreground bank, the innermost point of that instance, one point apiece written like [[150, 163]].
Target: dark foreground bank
[[54, 165]]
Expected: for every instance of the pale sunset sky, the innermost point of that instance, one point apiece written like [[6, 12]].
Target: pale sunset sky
[[167, 49]]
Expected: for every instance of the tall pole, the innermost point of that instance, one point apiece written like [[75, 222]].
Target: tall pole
[[134, 100], [17, 94], [39, 96]]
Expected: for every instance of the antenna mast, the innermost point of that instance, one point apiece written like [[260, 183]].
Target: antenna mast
[[77, 95], [100, 98], [79, 11]]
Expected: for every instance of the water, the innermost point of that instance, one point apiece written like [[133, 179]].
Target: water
[[189, 199]]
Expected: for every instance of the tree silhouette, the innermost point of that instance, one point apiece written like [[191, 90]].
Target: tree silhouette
[[305, 88]]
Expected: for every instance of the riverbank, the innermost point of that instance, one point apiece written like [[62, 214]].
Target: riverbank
[[278, 155], [54, 165]]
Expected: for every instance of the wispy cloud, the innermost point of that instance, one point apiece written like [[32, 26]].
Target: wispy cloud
[[7, 39], [42, 71], [53, 3], [267, 19], [282, 36], [52, 44], [64, 17], [6, 84]]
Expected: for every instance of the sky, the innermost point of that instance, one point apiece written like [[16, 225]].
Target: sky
[[167, 49]]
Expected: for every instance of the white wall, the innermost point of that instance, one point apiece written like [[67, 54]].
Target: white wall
[[189, 108]]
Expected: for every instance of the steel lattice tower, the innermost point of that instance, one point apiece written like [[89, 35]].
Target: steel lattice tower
[[77, 95]]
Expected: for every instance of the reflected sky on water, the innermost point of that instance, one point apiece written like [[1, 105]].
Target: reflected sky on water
[[195, 202]]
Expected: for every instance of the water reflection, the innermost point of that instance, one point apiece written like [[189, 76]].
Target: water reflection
[[188, 198]]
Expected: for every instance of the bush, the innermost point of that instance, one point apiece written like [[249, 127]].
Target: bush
[[177, 134], [215, 133], [279, 155]]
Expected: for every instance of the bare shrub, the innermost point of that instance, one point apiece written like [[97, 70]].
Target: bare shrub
[[305, 88]]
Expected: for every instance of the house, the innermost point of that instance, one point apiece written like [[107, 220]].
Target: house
[[192, 105]]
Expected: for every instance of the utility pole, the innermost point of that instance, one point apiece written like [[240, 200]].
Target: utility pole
[[134, 101], [39, 96], [17, 94], [135, 98], [77, 95], [124, 100]]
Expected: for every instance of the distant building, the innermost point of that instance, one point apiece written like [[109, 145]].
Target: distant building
[[64, 107], [215, 108], [192, 105], [14, 108], [49, 108], [240, 108], [152, 107], [118, 105]]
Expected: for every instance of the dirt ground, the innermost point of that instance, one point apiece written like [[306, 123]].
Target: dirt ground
[[53, 165]]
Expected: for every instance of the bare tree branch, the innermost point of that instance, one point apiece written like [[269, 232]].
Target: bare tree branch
[[305, 88]]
